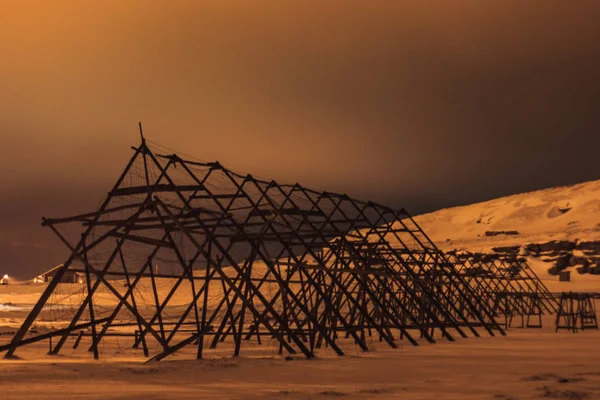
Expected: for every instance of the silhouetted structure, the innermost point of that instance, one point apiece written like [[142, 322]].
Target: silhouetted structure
[[577, 311], [69, 276], [506, 285], [564, 276], [254, 259]]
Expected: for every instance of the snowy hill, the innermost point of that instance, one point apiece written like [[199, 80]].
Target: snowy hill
[[557, 228]]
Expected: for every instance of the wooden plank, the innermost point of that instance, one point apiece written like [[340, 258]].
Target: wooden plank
[[165, 187], [85, 217], [50, 334], [142, 239]]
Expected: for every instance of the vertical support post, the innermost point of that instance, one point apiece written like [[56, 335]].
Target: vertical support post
[[203, 326], [90, 302]]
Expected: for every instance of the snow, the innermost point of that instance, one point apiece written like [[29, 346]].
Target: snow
[[534, 215]]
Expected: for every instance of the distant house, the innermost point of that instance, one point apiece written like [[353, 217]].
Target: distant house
[[69, 276]]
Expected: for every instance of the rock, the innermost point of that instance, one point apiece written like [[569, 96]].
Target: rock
[[532, 248], [560, 263], [558, 211], [496, 233], [595, 270], [507, 249], [557, 245], [552, 248], [584, 256], [589, 247], [583, 269], [578, 260]]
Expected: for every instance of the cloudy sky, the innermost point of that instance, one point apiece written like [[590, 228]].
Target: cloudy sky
[[416, 104]]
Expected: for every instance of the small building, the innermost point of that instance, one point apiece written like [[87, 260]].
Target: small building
[[69, 276], [564, 276]]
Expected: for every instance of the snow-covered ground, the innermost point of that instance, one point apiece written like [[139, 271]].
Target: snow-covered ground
[[527, 364]]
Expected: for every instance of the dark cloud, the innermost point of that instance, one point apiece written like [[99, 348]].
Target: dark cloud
[[411, 103]]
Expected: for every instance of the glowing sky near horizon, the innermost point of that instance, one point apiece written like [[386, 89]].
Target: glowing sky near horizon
[[417, 104]]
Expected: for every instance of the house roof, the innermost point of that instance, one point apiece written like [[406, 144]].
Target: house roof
[[51, 270]]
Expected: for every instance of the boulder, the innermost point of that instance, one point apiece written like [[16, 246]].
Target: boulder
[[590, 247], [507, 249], [496, 233]]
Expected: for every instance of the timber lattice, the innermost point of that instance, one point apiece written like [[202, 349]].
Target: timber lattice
[[254, 260]]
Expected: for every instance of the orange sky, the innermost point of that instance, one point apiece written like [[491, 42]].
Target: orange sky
[[419, 104]]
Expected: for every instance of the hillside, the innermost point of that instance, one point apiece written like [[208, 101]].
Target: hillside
[[558, 226]]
